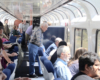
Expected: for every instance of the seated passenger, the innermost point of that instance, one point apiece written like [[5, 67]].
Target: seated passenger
[[47, 42], [5, 55], [73, 64], [89, 67], [2, 75], [53, 53], [16, 32], [53, 46], [60, 65]]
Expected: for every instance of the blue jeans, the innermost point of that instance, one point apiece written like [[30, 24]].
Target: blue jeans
[[33, 52]]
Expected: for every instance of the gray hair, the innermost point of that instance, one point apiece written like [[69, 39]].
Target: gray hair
[[62, 49], [44, 24], [58, 39]]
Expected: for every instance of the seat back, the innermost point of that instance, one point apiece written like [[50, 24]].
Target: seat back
[[49, 66], [9, 70], [13, 39], [43, 58], [40, 51], [46, 74]]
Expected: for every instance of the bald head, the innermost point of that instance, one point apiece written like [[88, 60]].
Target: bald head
[[44, 26], [57, 40]]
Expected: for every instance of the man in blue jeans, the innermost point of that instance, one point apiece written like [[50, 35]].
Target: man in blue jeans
[[35, 42]]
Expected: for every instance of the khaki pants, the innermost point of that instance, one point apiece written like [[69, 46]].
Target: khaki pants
[[27, 37]]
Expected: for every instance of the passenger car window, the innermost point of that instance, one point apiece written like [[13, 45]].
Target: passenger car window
[[98, 42], [77, 38], [81, 38], [85, 39], [68, 35]]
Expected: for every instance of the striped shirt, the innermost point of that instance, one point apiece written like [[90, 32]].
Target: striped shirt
[[37, 36]]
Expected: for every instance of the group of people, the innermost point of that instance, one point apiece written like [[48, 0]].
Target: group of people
[[84, 65], [8, 52]]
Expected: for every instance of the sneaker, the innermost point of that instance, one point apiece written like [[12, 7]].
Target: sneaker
[[33, 76]]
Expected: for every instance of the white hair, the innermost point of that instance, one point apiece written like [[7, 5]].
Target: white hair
[[62, 49], [58, 39], [44, 24]]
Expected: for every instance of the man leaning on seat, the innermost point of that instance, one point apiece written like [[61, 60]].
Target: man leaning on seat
[[35, 42]]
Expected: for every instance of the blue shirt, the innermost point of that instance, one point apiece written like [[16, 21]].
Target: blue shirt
[[62, 70]]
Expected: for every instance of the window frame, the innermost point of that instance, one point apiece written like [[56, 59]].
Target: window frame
[[97, 31], [81, 36]]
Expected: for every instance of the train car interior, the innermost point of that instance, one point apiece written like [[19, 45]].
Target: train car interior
[[77, 22]]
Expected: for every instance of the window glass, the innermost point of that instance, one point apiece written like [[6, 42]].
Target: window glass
[[96, 3], [75, 10], [77, 38], [85, 39], [79, 7], [98, 43], [68, 36]]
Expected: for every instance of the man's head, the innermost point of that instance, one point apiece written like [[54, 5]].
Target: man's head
[[53, 38], [89, 64], [24, 21], [63, 52], [44, 26], [6, 21], [57, 40], [1, 28]]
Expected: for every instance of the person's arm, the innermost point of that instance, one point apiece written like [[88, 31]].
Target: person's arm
[[7, 46], [12, 54], [5, 36], [17, 35], [6, 57]]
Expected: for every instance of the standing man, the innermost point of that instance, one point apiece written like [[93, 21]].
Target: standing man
[[23, 27], [6, 28], [35, 42]]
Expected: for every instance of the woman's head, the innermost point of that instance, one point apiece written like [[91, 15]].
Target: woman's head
[[62, 43], [79, 52], [15, 27]]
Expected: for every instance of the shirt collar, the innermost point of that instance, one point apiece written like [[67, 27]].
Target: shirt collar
[[65, 63]]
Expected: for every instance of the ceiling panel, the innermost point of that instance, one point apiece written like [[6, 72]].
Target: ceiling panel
[[22, 9]]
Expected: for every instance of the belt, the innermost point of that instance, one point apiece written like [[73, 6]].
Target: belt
[[34, 43]]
